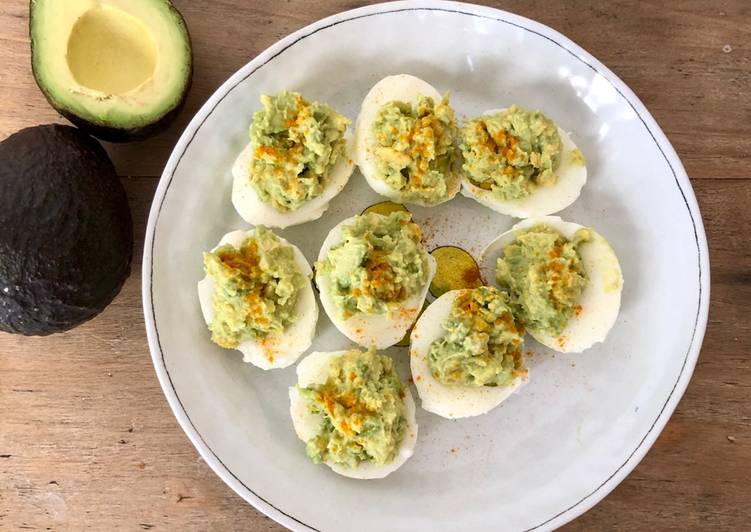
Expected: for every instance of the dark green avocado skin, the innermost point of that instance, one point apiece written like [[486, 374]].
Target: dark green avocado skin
[[66, 235], [119, 135]]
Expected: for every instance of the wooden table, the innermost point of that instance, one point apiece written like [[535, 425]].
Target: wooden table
[[87, 439]]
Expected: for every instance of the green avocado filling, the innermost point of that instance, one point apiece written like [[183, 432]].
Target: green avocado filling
[[511, 152], [256, 289], [379, 263], [415, 151], [543, 272], [481, 343], [295, 143], [363, 410]]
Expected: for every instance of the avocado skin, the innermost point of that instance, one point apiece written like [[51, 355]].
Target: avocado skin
[[111, 133], [67, 236], [117, 135]]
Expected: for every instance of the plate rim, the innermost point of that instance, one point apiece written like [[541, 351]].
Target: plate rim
[[663, 144]]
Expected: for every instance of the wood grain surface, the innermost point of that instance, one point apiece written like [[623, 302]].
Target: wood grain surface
[[87, 440]]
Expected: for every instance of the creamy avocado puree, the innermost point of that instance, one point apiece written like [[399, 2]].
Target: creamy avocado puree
[[415, 151], [543, 272], [379, 263], [295, 145], [256, 289], [362, 405], [511, 152], [481, 343]]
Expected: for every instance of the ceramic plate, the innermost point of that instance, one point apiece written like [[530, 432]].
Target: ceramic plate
[[582, 422]]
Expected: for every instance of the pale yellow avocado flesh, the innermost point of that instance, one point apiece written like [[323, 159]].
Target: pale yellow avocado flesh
[[120, 64], [111, 51]]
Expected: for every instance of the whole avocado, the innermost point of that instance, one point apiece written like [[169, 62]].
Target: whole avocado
[[66, 241]]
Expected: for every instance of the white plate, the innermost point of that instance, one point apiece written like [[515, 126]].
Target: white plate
[[581, 424]]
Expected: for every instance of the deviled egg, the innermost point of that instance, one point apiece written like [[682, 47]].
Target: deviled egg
[[353, 413], [373, 274], [299, 157], [404, 140], [257, 297], [563, 279], [466, 353], [518, 162]]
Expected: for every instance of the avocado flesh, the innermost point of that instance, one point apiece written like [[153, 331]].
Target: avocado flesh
[[67, 239], [120, 69]]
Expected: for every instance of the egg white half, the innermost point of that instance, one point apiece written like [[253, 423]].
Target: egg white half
[[448, 401], [273, 351], [601, 299], [256, 212], [313, 369], [546, 199], [403, 88], [379, 330]]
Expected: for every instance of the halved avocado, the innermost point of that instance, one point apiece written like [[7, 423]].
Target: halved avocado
[[120, 69]]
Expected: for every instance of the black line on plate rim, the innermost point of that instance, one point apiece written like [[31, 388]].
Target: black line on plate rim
[[459, 12]]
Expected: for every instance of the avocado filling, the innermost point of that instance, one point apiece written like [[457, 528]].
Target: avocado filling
[[512, 152], [415, 151], [256, 289], [379, 263], [296, 144], [544, 274], [363, 410], [481, 343]]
